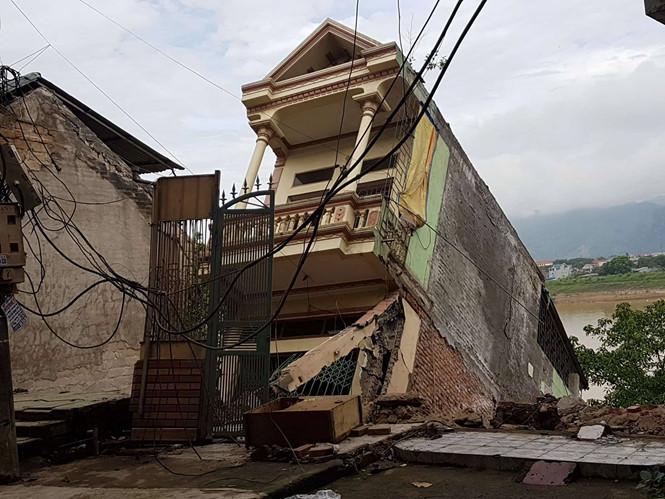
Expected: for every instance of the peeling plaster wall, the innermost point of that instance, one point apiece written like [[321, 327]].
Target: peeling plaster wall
[[119, 231], [408, 342]]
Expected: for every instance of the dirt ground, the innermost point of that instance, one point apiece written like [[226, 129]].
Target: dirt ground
[[471, 484]]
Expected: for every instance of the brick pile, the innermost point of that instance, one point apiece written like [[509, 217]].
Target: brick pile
[[172, 400]]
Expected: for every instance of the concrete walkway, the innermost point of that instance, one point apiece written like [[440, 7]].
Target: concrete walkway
[[610, 458]]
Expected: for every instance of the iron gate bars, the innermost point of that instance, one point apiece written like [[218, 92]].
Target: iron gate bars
[[238, 370]]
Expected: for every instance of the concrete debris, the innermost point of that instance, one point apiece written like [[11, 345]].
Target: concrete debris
[[542, 473], [399, 399], [569, 414], [570, 405], [359, 431], [593, 432], [542, 415], [321, 450], [399, 408], [635, 420], [379, 429], [421, 485], [303, 450], [321, 494], [469, 419]]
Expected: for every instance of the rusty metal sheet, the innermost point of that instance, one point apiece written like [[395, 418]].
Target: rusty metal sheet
[[185, 198]]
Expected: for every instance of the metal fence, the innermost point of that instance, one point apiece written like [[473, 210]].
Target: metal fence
[[552, 339], [241, 304], [179, 271]]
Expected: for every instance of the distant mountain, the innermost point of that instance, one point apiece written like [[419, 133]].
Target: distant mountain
[[594, 232]]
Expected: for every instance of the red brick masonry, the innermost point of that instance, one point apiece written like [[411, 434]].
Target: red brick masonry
[[172, 400], [440, 377]]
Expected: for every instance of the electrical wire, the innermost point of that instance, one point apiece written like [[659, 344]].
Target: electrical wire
[[313, 219], [38, 51], [98, 87], [315, 216]]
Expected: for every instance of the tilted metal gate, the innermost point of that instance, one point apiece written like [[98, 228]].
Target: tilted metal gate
[[238, 362]]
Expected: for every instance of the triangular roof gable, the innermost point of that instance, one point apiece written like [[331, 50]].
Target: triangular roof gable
[[327, 28]]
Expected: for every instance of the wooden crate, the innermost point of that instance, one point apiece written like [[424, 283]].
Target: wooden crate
[[303, 420]]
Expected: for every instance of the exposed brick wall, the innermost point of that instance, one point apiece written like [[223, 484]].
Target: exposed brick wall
[[172, 400], [441, 378]]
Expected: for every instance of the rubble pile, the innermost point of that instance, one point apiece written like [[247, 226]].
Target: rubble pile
[[569, 414], [635, 420], [399, 408], [542, 415]]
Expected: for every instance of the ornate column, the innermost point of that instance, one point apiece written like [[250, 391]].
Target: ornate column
[[369, 106], [264, 134]]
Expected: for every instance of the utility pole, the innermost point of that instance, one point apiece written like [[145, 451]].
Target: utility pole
[[9, 470], [12, 260]]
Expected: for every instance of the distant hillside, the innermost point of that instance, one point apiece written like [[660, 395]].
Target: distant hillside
[[630, 228]]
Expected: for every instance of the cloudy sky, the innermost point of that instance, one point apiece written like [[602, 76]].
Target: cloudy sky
[[559, 104]]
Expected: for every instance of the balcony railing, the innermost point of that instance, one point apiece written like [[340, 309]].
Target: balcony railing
[[351, 214]]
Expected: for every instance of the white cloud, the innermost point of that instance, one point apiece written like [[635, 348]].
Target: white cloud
[[558, 104]]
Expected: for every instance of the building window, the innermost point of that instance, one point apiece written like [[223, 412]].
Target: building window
[[377, 187], [312, 177], [369, 163], [306, 195]]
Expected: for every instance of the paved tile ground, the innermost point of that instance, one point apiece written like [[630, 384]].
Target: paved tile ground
[[502, 450]]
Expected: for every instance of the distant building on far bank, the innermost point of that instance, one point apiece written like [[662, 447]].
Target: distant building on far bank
[[560, 271], [544, 267]]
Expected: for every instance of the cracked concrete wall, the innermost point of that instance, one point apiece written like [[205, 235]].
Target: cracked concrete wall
[[380, 353], [119, 231], [493, 333]]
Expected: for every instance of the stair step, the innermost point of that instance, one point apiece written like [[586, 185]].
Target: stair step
[[42, 428], [34, 415], [29, 446]]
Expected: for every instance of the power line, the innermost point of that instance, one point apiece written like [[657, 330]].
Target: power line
[[29, 55], [98, 87], [193, 71], [472, 262], [315, 217], [154, 47], [34, 58]]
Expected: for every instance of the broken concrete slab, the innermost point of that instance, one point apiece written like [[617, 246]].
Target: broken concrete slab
[[309, 365], [593, 432], [542, 473]]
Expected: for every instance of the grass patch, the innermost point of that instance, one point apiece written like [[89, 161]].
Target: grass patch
[[607, 283]]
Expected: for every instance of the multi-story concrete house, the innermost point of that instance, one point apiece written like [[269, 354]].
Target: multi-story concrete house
[[417, 281]]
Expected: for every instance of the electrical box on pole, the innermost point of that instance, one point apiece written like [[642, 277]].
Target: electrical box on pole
[[12, 261]]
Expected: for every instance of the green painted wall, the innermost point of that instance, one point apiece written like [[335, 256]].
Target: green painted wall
[[559, 388], [421, 245]]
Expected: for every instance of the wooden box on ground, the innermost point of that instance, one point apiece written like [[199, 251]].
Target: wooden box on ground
[[303, 420]]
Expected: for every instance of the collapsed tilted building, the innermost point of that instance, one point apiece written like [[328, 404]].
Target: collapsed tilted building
[[417, 281]]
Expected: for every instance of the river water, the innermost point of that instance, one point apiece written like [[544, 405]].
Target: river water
[[577, 315]]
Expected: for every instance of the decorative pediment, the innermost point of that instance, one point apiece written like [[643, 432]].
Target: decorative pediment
[[331, 44]]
